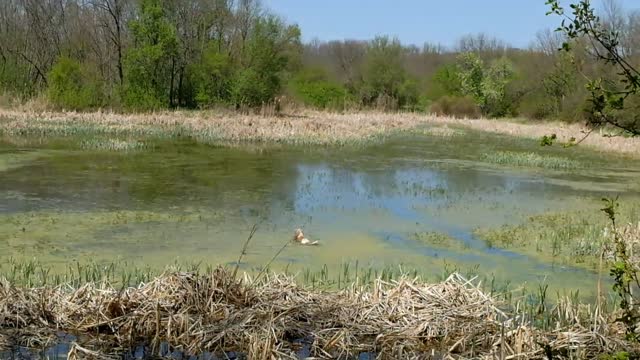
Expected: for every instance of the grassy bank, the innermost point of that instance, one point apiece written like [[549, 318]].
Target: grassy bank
[[271, 316], [306, 127]]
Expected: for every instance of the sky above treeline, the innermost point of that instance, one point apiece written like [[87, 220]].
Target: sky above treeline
[[419, 21]]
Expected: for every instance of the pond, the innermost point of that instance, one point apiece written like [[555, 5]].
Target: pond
[[413, 200]]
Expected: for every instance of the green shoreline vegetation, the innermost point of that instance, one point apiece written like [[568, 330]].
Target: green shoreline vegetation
[[577, 238]]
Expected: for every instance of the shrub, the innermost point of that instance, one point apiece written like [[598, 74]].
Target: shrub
[[460, 107], [212, 78], [73, 87], [251, 89], [536, 106], [313, 88]]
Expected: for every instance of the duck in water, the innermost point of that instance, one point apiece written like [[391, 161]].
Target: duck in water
[[298, 236]]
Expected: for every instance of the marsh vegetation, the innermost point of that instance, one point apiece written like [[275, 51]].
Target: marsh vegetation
[[437, 236], [428, 205]]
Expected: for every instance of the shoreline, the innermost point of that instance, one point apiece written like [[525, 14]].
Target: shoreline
[[307, 127]]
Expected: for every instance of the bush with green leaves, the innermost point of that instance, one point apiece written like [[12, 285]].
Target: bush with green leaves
[[445, 81], [72, 86], [213, 78], [313, 88]]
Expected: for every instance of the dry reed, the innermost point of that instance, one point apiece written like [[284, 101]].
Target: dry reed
[[275, 318], [305, 127]]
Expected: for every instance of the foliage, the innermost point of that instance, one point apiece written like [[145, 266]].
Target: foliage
[[266, 60], [313, 87], [151, 60], [445, 81], [498, 103], [460, 107], [606, 97], [486, 85], [621, 355], [385, 81], [624, 274], [471, 74], [547, 140], [72, 87], [213, 78], [152, 54]]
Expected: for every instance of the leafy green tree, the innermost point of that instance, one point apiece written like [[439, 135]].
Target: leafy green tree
[[313, 87], [445, 81], [72, 86], [384, 75], [486, 86], [471, 74], [213, 77], [150, 62], [269, 52], [494, 87]]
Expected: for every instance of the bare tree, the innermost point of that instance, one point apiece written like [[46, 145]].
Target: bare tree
[[112, 18], [548, 42], [481, 43]]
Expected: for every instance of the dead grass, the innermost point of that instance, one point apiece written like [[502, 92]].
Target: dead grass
[[275, 318], [306, 127], [204, 126], [598, 140]]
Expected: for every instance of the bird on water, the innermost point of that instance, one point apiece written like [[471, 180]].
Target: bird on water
[[299, 237]]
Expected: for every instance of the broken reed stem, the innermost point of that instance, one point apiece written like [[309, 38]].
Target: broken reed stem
[[244, 249], [275, 256]]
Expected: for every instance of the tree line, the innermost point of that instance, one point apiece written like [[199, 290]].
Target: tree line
[[157, 54]]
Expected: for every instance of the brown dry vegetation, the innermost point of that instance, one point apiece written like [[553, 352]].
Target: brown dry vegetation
[[307, 127], [217, 312]]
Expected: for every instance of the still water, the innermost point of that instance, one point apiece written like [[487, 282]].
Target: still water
[[188, 202]]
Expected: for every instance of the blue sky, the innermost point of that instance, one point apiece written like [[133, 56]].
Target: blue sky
[[417, 21]]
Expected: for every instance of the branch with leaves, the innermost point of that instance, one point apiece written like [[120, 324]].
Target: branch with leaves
[[583, 23]]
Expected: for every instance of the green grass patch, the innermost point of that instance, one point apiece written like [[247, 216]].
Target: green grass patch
[[570, 238], [531, 160], [438, 240]]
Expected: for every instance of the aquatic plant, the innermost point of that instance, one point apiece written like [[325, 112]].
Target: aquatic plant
[[572, 237], [530, 159]]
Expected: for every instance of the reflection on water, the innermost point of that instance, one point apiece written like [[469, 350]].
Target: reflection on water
[[197, 203]]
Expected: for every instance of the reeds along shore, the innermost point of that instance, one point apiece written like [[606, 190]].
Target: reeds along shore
[[303, 127], [275, 318]]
